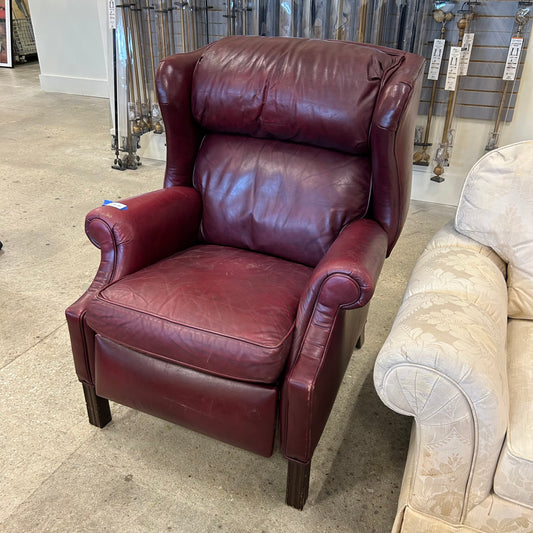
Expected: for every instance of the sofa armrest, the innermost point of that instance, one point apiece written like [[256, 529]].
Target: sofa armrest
[[444, 363], [330, 318], [155, 225]]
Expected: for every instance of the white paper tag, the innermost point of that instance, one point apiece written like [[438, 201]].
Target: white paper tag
[[436, 59], [513, 58], [116, 205], [466, 51], [453, 68], [112, 14]]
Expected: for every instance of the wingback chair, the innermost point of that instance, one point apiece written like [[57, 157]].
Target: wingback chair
[[233, 297]]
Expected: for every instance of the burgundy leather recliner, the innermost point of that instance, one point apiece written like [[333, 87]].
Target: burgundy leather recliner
[[234, 296]]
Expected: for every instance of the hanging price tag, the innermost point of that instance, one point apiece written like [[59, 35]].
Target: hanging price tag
[[112, 14], [513, 58], [436, 59], [453, 68], [466, 51]]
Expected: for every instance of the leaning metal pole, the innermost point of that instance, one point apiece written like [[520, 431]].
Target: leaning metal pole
[[182, 7], [131, 160], [421, 157], [443, 151], [141, 67], [522, 17], [140, 125], [162, 34], [340, 23], [155, 113], [362, 21], [117, 163]]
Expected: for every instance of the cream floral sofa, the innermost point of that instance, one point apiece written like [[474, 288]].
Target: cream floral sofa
[[459, 359]]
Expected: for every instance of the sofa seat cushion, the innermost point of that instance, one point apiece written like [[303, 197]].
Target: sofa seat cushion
[[221, 310], [514, 474], [496, 209]]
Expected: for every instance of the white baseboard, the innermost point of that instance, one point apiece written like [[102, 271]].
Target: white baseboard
[[70, 85], [447, 192], [153, 146]]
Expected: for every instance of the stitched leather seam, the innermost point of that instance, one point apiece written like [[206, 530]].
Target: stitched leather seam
[[81, 325], [344, 306], [297, 358], [396, 159], [317, 372], [115, 246]]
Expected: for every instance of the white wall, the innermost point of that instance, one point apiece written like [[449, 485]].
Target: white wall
[[72, 45]]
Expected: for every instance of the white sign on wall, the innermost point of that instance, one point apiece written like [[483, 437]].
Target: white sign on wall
[[513, 58], [453, 68], [436, 59]]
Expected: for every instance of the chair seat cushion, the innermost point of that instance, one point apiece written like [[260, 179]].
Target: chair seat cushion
[[514, 474], [221, 310]]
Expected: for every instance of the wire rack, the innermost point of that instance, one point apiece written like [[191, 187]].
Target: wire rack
[[23, 39]]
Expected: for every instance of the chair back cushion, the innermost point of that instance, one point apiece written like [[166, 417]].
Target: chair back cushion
[[321, 93], [288, 200], [285, 164], [496, 209]]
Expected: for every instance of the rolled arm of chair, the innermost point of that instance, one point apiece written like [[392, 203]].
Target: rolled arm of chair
[[444, 363], [155, 225], [332, 311], [346, 276]]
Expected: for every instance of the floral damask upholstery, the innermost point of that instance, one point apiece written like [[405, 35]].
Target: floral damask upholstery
[[495, 210], [459, 362]]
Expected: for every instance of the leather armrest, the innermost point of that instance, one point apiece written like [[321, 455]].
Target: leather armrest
[[154, 226], [346, 276], [331, 315]]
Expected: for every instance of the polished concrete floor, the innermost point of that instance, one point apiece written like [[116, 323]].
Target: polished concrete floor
[[140, 474]]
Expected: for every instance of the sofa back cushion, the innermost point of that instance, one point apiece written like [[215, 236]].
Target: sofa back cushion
[[496, 209]]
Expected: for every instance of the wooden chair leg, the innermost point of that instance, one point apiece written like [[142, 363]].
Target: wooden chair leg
[[297, 484], [97, 407]]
